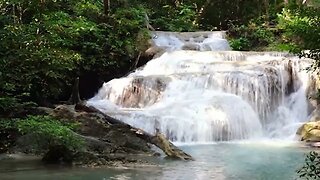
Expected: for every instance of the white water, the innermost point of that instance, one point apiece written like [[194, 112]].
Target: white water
[[201, 41], [211, 94]]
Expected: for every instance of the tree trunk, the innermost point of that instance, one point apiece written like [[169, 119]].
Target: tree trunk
[[106, 6], [266, 6], [75, 97]]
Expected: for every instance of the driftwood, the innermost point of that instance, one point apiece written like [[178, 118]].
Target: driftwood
[[158, 139]]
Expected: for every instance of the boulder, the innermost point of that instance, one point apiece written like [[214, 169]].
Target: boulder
[[90, 124], [104, 134], [94, 128], [310, 132], [154, 51]]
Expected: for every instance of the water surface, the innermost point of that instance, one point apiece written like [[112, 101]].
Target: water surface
[[221, 161]]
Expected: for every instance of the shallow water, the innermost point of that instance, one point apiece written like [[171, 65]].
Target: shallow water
[[222, 161]]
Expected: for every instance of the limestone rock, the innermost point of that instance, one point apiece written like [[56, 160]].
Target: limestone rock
[[315, 115], [94, 128], [125, 139], [310, 131], [104, 134], [90, 124]]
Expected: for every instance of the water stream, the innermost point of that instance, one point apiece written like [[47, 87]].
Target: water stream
[[211, 93]]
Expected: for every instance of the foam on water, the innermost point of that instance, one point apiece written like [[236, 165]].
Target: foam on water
[[207, 96], [202, 41]]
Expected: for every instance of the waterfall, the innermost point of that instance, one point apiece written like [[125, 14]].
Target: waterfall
[[200, 91]]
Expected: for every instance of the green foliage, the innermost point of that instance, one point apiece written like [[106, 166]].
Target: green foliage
[[181, 17], [10, 105], [301, 26], [43, 132], [44, 46], [7, 123], [313, 54], [48, 132], [311, 168], [7, 136], [281, 46], [7, 103], [35, 57], [252, 36], [128, 23], [239, 44]]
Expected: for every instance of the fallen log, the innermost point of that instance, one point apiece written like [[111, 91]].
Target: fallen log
[[158, 139]]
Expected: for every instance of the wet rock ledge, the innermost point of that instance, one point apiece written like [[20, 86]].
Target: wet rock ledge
[[309, 132], [107, 141]]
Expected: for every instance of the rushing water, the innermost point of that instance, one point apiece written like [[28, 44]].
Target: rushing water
[[222, 161], [210, 94]]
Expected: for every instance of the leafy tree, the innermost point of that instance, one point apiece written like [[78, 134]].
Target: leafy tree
[[301, 26], [44, 46]]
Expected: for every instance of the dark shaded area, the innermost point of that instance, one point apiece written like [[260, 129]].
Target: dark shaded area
[[58, 154], [8, 136], [89, 84]]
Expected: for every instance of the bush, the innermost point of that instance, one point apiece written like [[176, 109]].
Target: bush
[[43, 132], [250, 37], [13, 107], [311, 168], [239, 44]]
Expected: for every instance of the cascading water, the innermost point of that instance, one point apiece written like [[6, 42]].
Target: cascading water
[[199, 91]]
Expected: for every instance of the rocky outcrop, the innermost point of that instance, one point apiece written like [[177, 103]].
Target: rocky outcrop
[[158, 139], [312, 91], [100, 135], [105, 135], [310, 132]]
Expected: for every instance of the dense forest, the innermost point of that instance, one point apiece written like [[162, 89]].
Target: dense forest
[[45, 45]]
